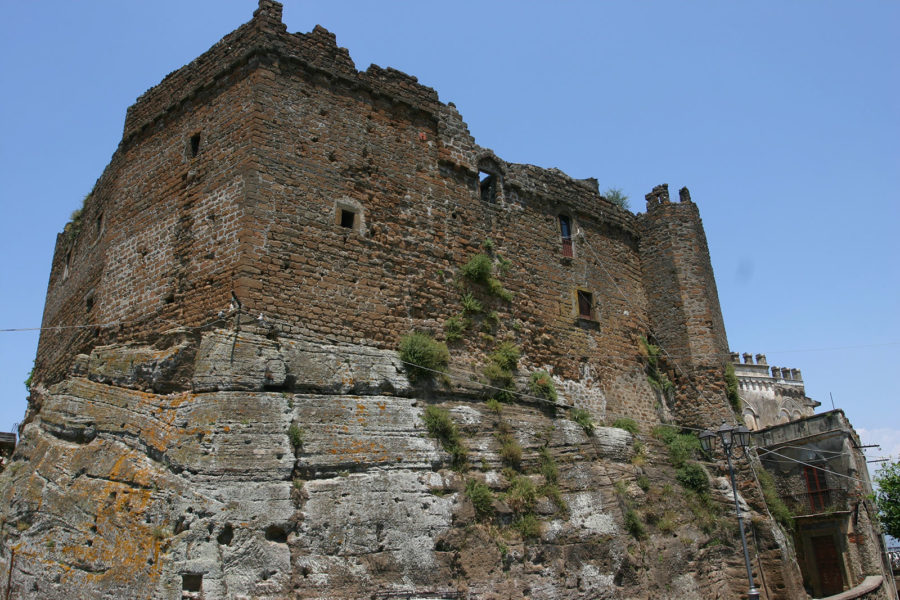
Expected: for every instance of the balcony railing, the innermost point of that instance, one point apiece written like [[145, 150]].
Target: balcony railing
[[818, 502], [567, 250]]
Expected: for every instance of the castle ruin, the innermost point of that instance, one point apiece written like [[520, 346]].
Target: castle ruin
[[219, 410]]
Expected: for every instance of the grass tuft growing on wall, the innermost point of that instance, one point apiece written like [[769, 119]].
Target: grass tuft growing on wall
[[629, 425], [541, 384], [583, 418], [423, 356], [441, 427], [482, 498]]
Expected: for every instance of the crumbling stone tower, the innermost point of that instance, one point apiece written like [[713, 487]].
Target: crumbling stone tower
[[219, 407]]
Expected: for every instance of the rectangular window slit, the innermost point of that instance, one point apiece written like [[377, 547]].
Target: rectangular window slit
[[195, 144], [348, 217], [585, 305], [565, 230]]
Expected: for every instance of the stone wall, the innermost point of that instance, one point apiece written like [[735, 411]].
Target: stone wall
[[217, 402]]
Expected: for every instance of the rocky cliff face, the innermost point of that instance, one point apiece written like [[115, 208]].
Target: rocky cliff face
[[225, 464]]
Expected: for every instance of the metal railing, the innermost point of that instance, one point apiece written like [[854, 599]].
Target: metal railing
[[818, 502]]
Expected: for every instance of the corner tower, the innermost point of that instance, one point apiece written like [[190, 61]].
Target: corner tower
[[684, 305]]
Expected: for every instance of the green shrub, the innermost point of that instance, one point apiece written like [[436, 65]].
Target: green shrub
[[528, 526], [499, 370], [494, 406], [618, 198], [541, 385], [705, 511], [548, 466], [551, 477], [683, 447], [666, 523], [496, 289], [506, 356], [521, 494], [442, 427], [510, 451], [731, 389], [643, 482], [583, 418], [634, 525], [776, 505], [627, 424], [423, 355], [471, 304], [503, 265], [488, 244], [693, 477], [655, 377], [478, 269], [482, 498], [454, 327], [664, 433], [295, 435]]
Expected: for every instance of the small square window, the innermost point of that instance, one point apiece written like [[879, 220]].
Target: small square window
[[192, 582], [348, 218]]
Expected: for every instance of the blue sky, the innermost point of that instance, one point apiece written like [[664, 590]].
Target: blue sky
[[781, 117]]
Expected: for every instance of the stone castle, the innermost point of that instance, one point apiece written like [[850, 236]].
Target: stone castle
[[236, 422]]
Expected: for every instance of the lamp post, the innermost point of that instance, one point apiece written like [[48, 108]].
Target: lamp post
[[731, 437]]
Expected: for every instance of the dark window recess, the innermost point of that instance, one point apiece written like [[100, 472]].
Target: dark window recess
[[565, 231], [348, 218], [99, 224], [487, 185], [585, 304], [195, 145], [192, 582], [89, 301]]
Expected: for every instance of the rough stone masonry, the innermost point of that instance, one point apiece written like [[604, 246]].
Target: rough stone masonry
[[236, 421]]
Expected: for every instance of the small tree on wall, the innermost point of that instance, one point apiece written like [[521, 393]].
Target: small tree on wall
[[887, 498], [617, 197]]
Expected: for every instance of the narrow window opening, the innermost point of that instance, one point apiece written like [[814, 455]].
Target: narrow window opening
[[195, 145], [89, 301], [192, 582], [565, 231], [66, 266], [487, 185], [99, 224], [348, 218], [585, 304]]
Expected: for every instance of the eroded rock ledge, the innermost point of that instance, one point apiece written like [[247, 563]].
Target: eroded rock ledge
[[261, 468]]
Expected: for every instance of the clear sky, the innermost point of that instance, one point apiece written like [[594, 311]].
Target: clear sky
[[781, 117]]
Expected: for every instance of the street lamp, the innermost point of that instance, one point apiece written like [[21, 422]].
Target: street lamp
[[731, 437]]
